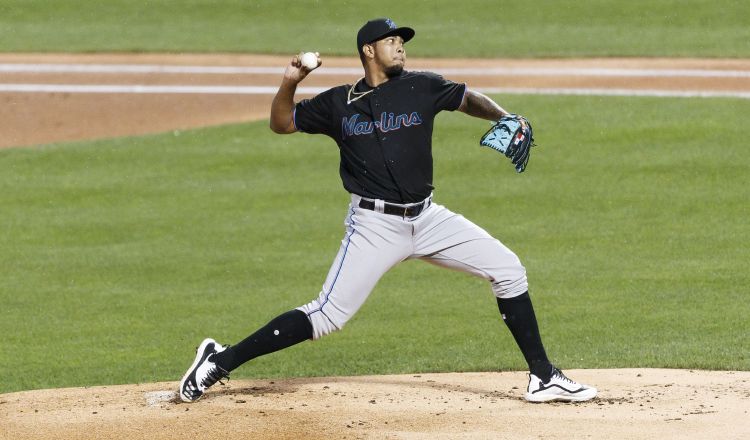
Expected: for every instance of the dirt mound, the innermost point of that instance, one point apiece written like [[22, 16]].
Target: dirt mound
[[633, 403]]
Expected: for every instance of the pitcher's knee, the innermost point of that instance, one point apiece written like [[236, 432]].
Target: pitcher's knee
[[323, 323], [514, 283]]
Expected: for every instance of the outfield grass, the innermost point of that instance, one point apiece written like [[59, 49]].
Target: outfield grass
[[475, 28], [119, 256]]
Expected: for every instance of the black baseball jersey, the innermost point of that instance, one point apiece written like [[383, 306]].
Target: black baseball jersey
[[384, 134]]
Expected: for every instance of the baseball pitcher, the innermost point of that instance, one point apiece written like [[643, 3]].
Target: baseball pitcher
[[383, 125]]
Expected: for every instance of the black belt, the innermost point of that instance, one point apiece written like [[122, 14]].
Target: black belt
[[399, 210]]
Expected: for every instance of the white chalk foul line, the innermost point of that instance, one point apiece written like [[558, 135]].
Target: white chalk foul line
[[144, 89], [617, 92], [466, 71], [271, 90], [136, 68]]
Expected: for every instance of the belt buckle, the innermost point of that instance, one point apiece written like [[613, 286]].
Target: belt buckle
[[416, 209]]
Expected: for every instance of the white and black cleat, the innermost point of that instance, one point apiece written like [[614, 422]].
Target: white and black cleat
[[203, 373], [558, 388]]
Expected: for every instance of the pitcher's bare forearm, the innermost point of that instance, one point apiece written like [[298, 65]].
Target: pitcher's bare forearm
[[282, 108], [481, 106]]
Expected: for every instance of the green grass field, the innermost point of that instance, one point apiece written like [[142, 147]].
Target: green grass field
[[119, 256], [475, 28]]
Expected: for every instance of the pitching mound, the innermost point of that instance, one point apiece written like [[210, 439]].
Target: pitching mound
[[633, 403]]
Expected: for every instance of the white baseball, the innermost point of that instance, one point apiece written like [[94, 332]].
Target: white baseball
[[309, 60]]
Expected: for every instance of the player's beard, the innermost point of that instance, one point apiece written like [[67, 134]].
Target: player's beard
[[394, 71]]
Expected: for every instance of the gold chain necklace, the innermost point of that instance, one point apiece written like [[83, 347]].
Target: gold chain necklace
[[357, 95]]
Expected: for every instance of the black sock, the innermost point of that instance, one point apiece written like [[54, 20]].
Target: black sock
[[283, 331], [518, 314]]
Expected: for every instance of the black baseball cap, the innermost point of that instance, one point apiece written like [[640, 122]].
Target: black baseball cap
[[380, 28]]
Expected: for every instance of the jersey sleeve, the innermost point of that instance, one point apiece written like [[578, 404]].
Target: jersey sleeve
[[447, 94], [314, 115]]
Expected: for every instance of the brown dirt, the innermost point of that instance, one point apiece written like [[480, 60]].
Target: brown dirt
[[633, 403], [38, 118]]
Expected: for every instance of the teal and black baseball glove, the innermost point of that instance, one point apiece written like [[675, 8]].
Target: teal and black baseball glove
[[512, 136]]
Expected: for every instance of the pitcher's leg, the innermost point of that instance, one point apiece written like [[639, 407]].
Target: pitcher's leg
[[285, 330], [369, 248], [494, 262], [487, 258], [468, 248], [373, 244], [450, 240], [518, 315]]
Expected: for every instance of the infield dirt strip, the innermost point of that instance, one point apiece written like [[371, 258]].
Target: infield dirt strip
[[57, 98]]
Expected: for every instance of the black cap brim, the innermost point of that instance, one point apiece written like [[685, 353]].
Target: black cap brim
[[406, 33]]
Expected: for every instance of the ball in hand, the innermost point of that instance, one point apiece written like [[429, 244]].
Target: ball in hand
[[309, 60]]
